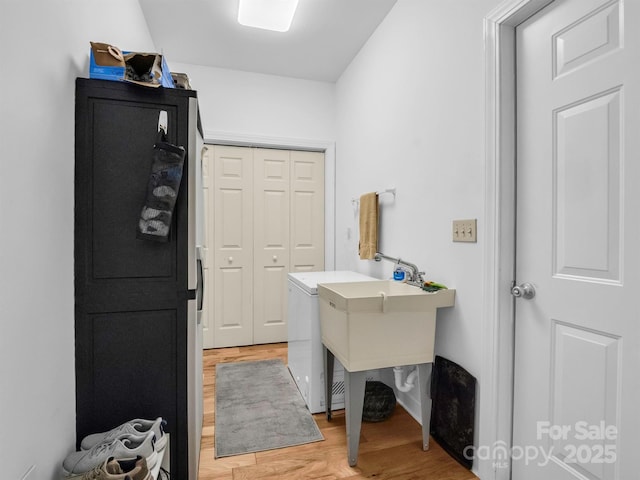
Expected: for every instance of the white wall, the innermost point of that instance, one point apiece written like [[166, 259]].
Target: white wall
[[46, 46], [410, 115], [254, 105]]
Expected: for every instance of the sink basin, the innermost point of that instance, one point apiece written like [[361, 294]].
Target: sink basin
[[377, 324]]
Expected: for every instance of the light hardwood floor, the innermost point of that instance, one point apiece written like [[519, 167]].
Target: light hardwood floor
[[388, 450]]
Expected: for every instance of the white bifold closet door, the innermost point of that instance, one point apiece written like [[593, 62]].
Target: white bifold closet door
[[266, 219]]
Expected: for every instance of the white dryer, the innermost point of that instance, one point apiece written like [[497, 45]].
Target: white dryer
[[305, 342]]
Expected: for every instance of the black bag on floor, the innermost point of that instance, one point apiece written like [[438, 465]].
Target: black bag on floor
[[162, 190]]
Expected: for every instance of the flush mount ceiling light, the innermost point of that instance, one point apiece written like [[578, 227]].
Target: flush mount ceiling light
[[273, 15]]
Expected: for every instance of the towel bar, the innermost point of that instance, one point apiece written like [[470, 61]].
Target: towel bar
[[392, 191]]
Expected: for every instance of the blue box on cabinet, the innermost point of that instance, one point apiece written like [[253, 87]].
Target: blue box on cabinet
[[107, 62]]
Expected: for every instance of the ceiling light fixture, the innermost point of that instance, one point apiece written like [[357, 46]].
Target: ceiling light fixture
[[273, 15]]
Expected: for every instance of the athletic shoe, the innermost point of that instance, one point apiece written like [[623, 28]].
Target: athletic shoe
[[138, 426], [125, 446], [123, 469]]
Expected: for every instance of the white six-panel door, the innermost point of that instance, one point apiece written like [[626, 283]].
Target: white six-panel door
[[577, 351]]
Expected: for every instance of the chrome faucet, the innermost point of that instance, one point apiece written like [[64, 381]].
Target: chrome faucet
[[414, 277]]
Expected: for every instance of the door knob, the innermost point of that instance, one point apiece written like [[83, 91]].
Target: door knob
[[230, 259], [526, 291], [275, 258]]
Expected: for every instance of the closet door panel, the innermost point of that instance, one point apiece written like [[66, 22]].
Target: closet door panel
[[233, 247], [307, 211], [271, 244], [208, 328]]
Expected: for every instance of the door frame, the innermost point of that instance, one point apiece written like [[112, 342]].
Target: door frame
[[496, 397], [328, 147]]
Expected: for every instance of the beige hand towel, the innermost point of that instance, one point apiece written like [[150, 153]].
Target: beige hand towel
[[368, 225]]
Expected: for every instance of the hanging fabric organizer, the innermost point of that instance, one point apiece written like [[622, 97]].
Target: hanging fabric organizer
[[163, 186]]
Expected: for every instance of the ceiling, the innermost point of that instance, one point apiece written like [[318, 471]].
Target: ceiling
[[324, 37]]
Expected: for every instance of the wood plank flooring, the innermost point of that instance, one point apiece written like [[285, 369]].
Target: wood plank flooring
[[388, 450]]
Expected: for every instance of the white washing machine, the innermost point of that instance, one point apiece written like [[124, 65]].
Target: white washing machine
[[305, 342]]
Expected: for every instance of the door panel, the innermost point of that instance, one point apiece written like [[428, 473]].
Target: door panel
[[590, 37], [577, 341], [307, 211], [585, 369], [271, 244], [587, 152], [207, 184], [233, 247]]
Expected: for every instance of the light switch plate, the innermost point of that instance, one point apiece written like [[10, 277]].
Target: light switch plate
[[465, 230]]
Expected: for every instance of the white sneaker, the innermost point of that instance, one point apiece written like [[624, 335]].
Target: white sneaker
[[125, 446], [122, 469], [137, 426]]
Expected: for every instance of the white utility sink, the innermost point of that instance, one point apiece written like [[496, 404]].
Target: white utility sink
[[377, 324]]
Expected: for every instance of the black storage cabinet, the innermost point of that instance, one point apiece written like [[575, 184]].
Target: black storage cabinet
[[130, 294]]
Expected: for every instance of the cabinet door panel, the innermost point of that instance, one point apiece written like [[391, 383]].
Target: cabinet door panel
[[130, 368], [120, 171]]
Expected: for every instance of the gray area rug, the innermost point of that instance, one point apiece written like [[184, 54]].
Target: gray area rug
[[258, 407]]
